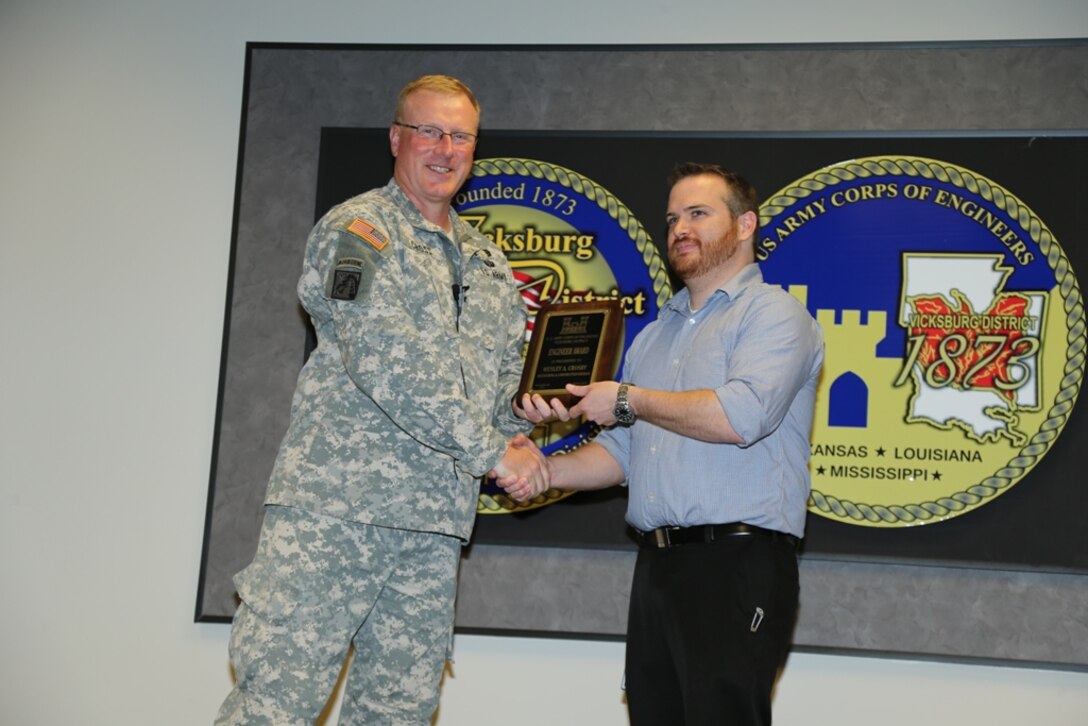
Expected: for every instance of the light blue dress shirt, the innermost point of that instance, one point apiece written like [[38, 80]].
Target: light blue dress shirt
[[760, 351]]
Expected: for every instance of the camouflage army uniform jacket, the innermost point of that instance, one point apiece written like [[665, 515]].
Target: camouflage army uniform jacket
[[404, 404]]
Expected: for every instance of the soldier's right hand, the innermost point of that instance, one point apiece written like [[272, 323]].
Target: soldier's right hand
[[523, 470]]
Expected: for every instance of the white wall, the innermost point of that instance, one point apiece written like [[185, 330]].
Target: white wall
[[118, 142]]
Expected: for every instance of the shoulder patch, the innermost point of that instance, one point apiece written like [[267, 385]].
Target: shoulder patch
[[363, 229], [352, 273], [345, 283]]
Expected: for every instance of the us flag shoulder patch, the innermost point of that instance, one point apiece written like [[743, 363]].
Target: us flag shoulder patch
[[361, 228]]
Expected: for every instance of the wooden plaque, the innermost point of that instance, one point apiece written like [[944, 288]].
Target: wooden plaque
[[572, 343]]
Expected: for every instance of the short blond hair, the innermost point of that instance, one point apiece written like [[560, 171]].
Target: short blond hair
[[438, 84]]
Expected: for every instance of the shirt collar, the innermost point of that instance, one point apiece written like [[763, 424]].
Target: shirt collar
[[749, 276]]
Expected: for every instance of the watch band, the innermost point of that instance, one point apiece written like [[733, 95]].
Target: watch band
[[623, 412]]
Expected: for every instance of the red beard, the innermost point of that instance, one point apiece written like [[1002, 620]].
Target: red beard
[[707, 257]]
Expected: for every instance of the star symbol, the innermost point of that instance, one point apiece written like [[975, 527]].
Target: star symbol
[[880, 451]]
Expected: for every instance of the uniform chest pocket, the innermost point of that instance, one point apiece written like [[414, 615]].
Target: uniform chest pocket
[[482, 334]]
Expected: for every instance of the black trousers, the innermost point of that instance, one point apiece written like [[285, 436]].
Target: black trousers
[[708, 629]]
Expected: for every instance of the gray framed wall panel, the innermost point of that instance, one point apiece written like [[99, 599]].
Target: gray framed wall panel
[[939, 612], [293, 91]]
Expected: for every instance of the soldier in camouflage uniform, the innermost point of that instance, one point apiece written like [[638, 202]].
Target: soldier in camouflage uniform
[[401, 408]]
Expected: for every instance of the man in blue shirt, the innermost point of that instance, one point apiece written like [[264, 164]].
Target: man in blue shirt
[[710, 432]]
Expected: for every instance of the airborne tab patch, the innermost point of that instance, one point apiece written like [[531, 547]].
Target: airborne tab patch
[[360, 228]]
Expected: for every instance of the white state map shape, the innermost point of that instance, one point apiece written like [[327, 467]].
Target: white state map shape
[[977, 278]]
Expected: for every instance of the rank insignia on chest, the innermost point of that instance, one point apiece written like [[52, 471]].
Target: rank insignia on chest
[[365, 230]]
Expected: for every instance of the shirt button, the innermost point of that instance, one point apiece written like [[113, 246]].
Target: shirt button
[[691, 321]]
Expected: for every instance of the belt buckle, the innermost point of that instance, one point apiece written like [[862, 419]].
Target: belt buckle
[[661, 537]]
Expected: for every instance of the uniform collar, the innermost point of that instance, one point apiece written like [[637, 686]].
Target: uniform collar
[[414, 216], [461, 233]]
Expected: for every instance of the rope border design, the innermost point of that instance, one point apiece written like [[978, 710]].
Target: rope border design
[[1071, 299]]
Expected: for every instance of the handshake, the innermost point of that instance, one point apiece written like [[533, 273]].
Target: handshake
[[524, 472]]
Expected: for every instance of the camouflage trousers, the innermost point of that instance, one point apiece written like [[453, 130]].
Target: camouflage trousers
[[316, 586]]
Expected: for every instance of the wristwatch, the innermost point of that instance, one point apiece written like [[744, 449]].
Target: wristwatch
[[623, 412]]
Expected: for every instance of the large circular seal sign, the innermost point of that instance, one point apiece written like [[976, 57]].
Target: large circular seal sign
[[568, 240], [954, 330]]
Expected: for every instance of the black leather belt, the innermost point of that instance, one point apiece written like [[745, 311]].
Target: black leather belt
[[705, 533]]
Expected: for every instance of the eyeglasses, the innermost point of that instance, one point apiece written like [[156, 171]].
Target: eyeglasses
[[435, 134]]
